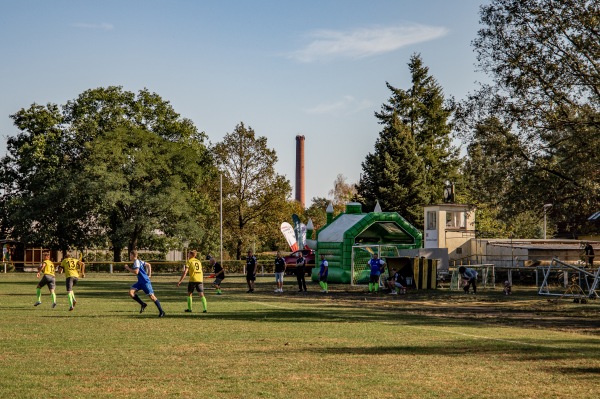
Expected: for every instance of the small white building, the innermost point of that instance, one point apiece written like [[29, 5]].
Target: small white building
[[450, 226]]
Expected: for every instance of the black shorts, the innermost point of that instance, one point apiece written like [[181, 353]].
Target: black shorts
[[374, 278], [47, 279], [195, 286], [70, 282], [250, 277], [323, 278]]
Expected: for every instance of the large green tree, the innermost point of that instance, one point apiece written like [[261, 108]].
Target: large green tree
[[43, 203], [425, 111], [46, 167], [254, 195], [145, 187], [393, 173], [544, 60], [414, 154]]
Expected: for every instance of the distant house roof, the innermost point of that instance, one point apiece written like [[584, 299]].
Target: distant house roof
[[540, 244]]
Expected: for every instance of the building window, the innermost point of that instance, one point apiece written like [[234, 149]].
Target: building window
[[456, 220], [431, 221]]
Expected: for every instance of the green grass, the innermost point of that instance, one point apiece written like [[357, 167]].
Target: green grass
[[346, 344]]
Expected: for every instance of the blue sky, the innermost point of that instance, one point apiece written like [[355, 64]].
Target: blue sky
[[316, 68]]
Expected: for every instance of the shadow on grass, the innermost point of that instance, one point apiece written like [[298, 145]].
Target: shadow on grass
[[539, 353], [576, 370]]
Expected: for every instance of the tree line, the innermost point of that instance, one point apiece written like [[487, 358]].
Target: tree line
[[113, 168]]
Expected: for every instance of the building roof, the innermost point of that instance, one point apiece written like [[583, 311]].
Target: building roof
[[541, 244], [335, 231]]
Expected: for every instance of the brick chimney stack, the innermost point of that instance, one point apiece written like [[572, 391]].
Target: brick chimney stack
[[300, 170]]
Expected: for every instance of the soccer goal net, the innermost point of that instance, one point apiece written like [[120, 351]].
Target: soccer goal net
[[361, 254]]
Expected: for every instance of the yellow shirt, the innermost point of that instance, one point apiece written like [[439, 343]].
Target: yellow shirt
[[69, 265], [48, 267], [195, 269]]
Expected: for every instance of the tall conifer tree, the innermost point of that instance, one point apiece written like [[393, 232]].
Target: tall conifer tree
[[423, 109], [413, 155], [393, 174]]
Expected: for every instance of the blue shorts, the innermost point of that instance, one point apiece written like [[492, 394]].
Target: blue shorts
[[146, 287]]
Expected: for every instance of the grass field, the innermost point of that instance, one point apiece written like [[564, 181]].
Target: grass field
[[345, 344]]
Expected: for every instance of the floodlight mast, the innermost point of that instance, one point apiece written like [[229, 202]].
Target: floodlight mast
[[546, 207]]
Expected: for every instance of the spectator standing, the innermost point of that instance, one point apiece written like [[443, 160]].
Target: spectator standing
[[218, 272], [300, 272], [280, 267], [251, 267]]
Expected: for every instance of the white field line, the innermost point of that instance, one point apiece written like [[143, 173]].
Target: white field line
[[440, 330], [483, 337]]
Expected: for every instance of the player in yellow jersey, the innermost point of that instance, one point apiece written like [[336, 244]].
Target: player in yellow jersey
[[194, 267], [47, 269], [69, 266]]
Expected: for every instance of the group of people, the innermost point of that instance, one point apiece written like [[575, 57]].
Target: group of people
[[193, 267], [70, 266], [143, 272], [280, 269]]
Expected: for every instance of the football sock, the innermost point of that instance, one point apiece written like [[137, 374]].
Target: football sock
[[189, 302], [70, 296], [370, 287], [376, 287], [138, 300], [54, 297], [325, 284], [204, 303], [39, 294], [157, 303]]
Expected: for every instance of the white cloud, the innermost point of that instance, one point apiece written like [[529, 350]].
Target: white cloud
[[102, 26], [346, 105], [360, 43]]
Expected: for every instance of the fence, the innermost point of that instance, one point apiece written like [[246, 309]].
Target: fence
[[230, 266]]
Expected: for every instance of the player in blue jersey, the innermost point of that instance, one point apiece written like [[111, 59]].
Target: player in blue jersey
[[376, 266], [469, 277], [143, 283]]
